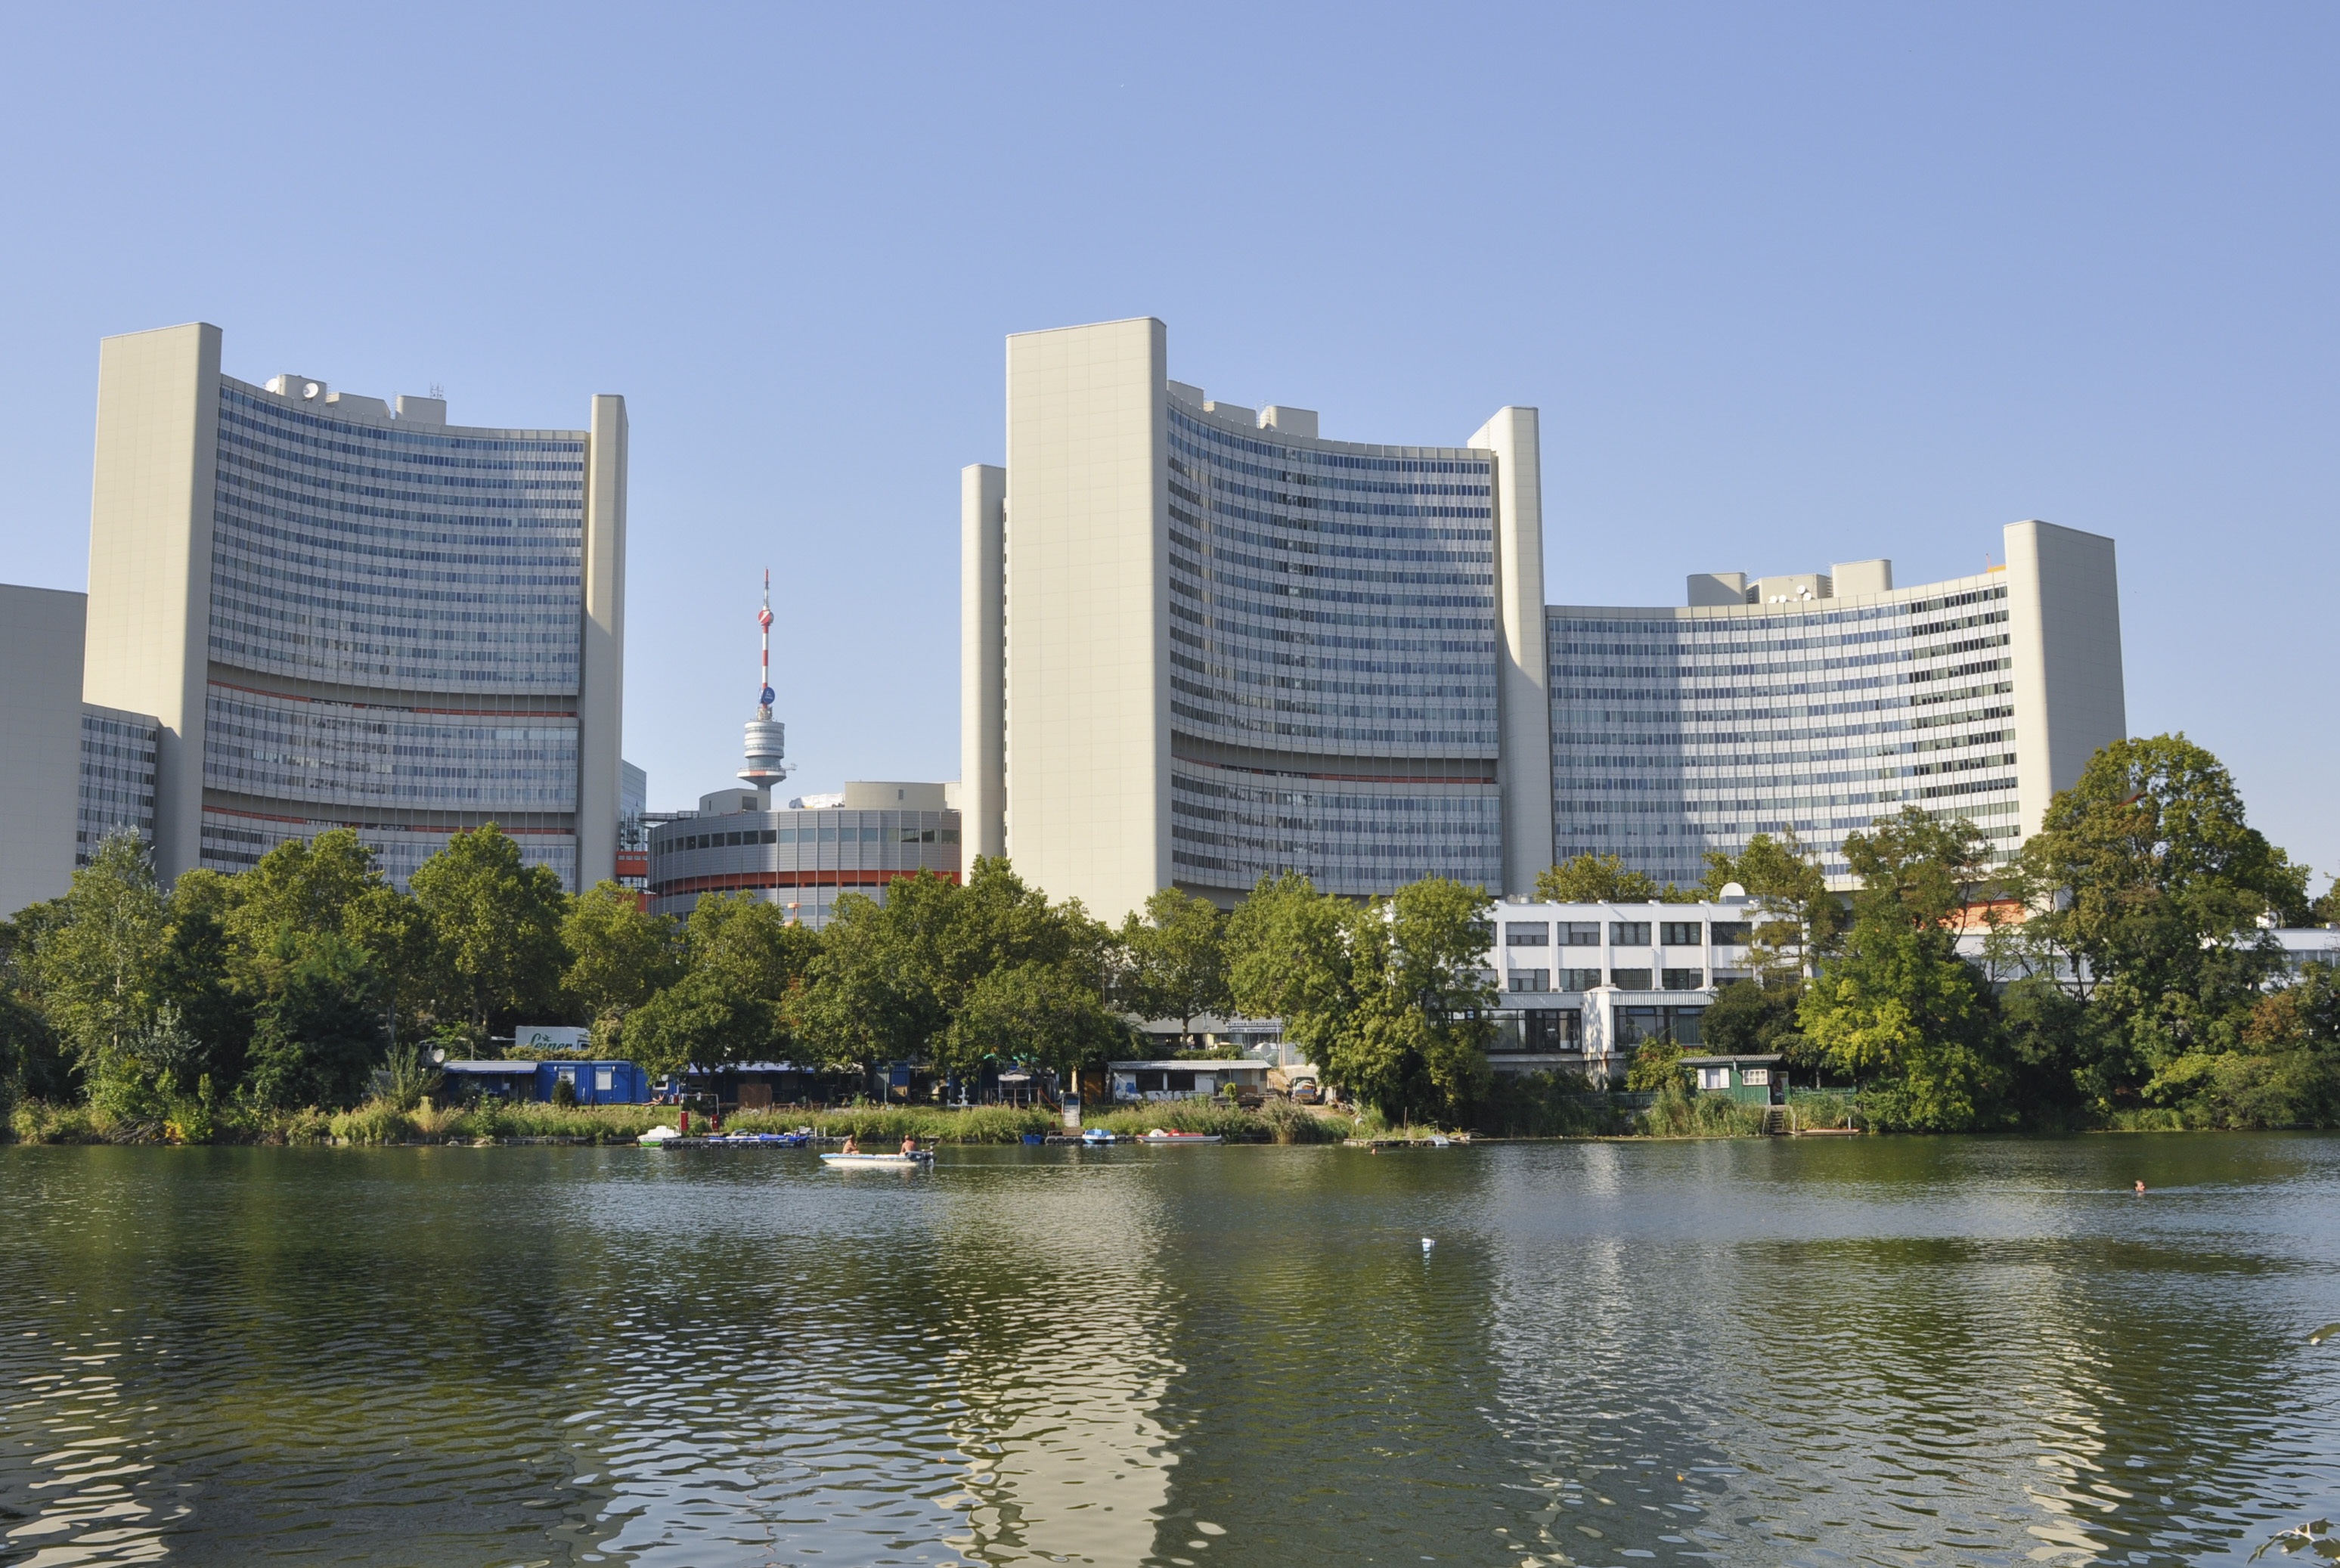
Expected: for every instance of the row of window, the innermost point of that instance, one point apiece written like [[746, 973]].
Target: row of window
[[352, 554], [1628, 933], [1529, 982], [1545, 1029], [744, 836]]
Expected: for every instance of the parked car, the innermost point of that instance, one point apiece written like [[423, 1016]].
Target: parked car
[[1304, 1092]]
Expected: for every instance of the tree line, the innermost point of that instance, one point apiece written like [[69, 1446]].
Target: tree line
[[2141, 983], [295, 983]]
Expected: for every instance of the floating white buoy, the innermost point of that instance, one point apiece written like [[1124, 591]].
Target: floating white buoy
[[1427, 1244]]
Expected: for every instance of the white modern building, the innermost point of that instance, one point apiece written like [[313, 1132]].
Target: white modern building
[[1204, 643], [1582, 986], [343, 614], [1820, 702]]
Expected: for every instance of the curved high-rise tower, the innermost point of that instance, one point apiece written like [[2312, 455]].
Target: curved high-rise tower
[[1204, 645], [347, 614]]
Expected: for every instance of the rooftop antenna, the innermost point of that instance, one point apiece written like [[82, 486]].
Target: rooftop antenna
[[766, 738], [438, 391]]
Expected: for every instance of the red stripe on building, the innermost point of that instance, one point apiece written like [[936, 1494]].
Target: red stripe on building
[[731, 880]]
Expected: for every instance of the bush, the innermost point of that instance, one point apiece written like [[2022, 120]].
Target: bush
[[1825, 1107], [38, 1122], [378, 1121], [1680, 1112], [1548, 1105], [1279, 1123]]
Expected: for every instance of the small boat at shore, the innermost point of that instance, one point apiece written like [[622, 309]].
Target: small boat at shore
[[1159, 1137], [896, 1161]]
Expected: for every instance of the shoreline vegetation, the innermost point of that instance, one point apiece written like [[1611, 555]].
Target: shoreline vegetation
[[1559, 1115], [2118, 970]]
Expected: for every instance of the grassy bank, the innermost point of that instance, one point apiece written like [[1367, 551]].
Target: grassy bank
[[377, 1121]]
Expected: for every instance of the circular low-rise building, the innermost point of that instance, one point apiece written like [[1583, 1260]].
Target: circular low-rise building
[[804, 859]]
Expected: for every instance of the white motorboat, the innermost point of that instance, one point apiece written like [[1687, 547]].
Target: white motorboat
[[1159, 1137], [897, 1160]]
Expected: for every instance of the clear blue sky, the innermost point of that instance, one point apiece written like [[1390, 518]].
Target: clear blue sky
[[1792, 285]]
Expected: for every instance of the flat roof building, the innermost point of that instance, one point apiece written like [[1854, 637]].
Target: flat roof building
[[346, 614], [807, 856], [1202, 643]]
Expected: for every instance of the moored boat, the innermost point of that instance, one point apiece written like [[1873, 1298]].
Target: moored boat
[[1157, 1136], [899, 1161]]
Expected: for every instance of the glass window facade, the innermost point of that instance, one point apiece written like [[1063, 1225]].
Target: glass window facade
[[395, 620], [236, 840], [419, 560], [1678, 731], [116, 789], [804, 859], [1333, 661], [510, 766]]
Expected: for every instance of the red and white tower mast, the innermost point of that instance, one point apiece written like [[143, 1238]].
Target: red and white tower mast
[[766, 737]]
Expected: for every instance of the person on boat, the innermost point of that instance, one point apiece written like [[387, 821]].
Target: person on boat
[[850, 1146], [2140, 1189], [909, 1146]]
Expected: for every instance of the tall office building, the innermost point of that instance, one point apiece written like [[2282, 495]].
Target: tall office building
[[341, 613], [70, 771], [1203, 644], [1820, 702]]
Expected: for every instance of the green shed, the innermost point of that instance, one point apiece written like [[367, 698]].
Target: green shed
[[1756, 1080]]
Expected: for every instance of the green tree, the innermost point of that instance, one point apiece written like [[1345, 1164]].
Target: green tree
[[1176, 960], [1799, 918], [1291, 954], [304, 884], [396, 931], [2147, 885], [1595, 880], [97, 964], [893, 981], [1657, 1065], [1390, 999], [496, 921], [1898, 1009], [702, 1021], [1046, 1015], [1420, 1039], [30, 1064], [1749, 1020], [322, 1027], [197, 977], [619, 956]]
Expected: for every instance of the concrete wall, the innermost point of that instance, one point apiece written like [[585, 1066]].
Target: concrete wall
[[982, 657], [2063, 598], [894, 794], [150, 559], [1086, 589], [1523, 677], [41, 631], [600, 696]]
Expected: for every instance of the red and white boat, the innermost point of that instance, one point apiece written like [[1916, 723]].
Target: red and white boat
[[1158, 1137]]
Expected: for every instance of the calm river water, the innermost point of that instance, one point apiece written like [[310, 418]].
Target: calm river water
[[1808, 1352]]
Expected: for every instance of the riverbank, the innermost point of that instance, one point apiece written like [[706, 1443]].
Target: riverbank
[[378, 1123]]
